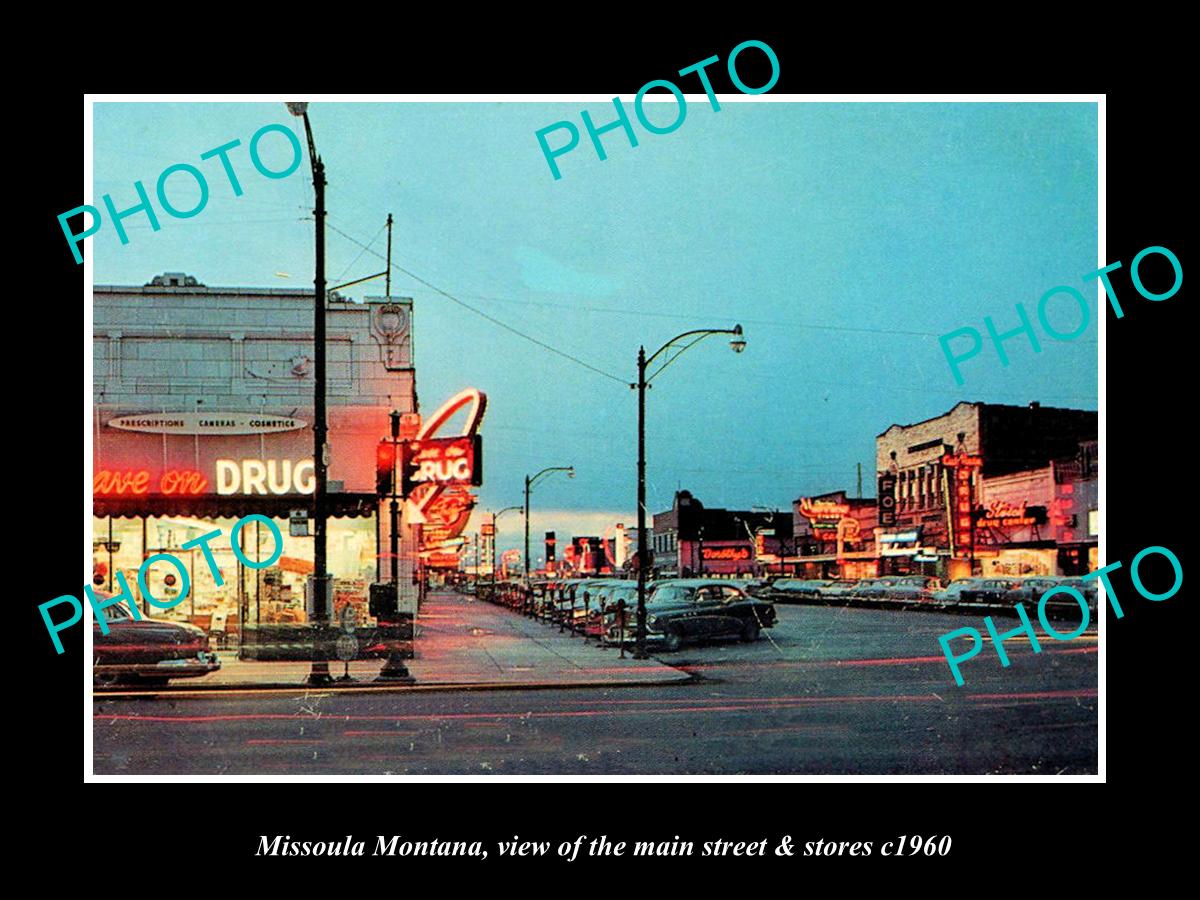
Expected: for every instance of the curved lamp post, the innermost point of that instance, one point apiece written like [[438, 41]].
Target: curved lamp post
[[738, 343], [530, 481], [495, 534], [320, 667]]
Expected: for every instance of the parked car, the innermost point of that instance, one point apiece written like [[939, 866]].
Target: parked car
[[755, 587], [989, 590], [838, 590], [792, 588], [1029, 591], [976, 590], [701, 609], [603, 605], [147, 651], [953, 592], [569, 602], [913, 587], [872, 588]]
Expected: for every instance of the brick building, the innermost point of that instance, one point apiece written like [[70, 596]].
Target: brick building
[[989, 439]]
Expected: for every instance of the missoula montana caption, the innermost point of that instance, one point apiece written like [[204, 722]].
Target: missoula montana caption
[[283, 845]]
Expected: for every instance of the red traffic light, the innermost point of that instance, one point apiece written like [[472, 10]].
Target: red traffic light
[[385, 467]]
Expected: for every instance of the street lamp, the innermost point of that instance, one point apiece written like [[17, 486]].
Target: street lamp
[[320, 667], [496, 533], [738, 343], [530, 481]]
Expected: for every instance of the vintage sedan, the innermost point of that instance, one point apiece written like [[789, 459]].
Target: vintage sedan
[[783, 589], [838, 590], [872, 588], [913, 587], [702, 609], [1030, 590], [975, 590], [147, 651]]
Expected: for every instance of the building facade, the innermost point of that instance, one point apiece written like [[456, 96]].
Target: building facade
[[932, 476], [835, 537], [203, 414]]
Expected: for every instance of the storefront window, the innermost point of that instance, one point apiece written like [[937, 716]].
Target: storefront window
[[244, 596]]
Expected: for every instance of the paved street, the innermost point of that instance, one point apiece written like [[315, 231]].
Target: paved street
[[828, 690]]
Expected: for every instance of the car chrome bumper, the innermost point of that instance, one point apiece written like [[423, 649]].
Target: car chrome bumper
[[202, 663]]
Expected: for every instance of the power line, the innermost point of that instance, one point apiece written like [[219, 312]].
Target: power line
[[482, 314], [575, 307], [362, 251]]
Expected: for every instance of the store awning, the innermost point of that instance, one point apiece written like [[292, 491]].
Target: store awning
[[234, 506]]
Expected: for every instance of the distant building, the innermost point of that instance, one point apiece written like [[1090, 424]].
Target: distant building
[[834, 537], [690, 540]]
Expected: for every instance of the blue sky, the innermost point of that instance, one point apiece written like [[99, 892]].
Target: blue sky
[[843, 237]]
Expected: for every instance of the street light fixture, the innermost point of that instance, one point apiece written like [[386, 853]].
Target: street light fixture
[[738, 343], [319, 675], [530, 481]]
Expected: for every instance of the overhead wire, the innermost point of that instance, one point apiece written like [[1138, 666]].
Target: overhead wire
[[484, 315]]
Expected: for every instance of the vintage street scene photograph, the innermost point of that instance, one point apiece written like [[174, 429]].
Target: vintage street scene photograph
[[702, 432]]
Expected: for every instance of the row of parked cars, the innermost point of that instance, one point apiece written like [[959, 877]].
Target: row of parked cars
[[925, 588], [678, 610]]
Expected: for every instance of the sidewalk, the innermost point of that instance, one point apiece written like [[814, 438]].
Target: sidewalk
[[462, 643]]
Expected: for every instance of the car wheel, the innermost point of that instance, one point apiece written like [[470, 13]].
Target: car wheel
[[751, 632], [674, 641]]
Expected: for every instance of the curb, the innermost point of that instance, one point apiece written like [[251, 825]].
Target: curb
[[372, 688]]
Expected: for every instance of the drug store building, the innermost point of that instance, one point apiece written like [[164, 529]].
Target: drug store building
[[203, 414]]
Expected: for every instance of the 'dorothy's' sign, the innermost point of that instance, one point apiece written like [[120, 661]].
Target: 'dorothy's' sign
[[193, 422]]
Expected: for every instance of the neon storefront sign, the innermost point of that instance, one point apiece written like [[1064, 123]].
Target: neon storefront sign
[[424, 494], [725, 553], [1001, 514], [823, 513], [265, 476], [116, 482], [962, 532]]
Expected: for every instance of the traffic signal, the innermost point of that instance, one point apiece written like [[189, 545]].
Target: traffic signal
[[385, 467]]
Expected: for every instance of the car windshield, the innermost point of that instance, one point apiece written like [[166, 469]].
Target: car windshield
[[670, 593], [115, 613]]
